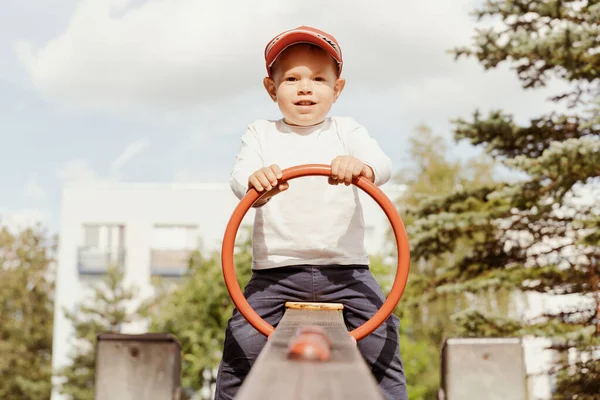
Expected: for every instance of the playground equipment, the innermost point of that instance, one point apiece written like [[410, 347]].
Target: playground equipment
[[478, 368], [146, 366], [311, 354]]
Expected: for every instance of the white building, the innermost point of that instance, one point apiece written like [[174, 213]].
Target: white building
[[149, 229]]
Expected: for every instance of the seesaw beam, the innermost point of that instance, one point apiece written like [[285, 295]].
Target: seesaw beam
[[345, 376]]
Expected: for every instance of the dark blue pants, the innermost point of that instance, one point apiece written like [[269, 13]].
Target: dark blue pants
[[353, 286]]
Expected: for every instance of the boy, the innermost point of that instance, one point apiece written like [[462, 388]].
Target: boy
[[308, 244]]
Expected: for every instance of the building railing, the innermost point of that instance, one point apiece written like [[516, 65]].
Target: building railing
[[169, 263], [95, 261]]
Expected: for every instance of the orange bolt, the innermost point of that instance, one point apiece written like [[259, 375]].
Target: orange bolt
[[311, 343]]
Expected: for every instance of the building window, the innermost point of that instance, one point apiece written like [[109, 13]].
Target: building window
[[171, 248], [103, 245], [91, 235]]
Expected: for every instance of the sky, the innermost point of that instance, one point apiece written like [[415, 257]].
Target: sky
[[162, 90]]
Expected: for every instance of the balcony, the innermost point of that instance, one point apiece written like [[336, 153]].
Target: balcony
[[94, 261], [169, 263]]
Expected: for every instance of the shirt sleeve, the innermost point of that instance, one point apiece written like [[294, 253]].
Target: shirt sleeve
[[362, 146], [248, 160]]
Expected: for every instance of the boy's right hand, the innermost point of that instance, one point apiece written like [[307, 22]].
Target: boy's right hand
[[267, 178]]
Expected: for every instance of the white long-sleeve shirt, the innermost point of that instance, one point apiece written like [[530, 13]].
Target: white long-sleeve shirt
[[312, 222]]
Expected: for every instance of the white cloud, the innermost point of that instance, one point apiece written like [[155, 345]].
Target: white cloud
[[79, 170], [33, 190], [198, 65], [171, 54], [128, 154], [166, 52], [76, 171]]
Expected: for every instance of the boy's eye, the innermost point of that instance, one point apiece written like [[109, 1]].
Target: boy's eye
[[319, 79], [290, 79]]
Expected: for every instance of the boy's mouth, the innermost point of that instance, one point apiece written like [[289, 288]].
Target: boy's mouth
[[305, 103]]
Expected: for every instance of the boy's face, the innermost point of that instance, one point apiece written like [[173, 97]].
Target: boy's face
[[304, 84]]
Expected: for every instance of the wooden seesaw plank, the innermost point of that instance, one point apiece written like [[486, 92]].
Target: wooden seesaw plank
[[345, 376]]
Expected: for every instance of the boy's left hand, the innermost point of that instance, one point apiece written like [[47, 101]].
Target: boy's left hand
[[346, 168]]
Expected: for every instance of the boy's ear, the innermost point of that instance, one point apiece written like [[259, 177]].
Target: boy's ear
[[338, 87], [269, 84]]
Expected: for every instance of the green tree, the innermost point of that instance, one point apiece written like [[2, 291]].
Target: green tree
[[535, 233], [418, 353], [434, 175], [105, 310], [425, 313], [197, 311], [26, 314]]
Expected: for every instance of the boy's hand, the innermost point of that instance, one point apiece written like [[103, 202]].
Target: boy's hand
[[267, 178], [345, 168]]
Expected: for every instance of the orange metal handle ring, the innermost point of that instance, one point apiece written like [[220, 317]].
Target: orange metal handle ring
[[312, 170]]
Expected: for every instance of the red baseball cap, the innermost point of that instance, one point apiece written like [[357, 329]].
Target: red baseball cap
[[302, 34]]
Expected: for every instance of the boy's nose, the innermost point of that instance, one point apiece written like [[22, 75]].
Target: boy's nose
[[305, 87]]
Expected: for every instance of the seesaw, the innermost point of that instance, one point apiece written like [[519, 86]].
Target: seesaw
[[311, 354]]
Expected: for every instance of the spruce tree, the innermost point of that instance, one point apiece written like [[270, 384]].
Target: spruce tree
[[538, 232], [105, 310], [425, 314]]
